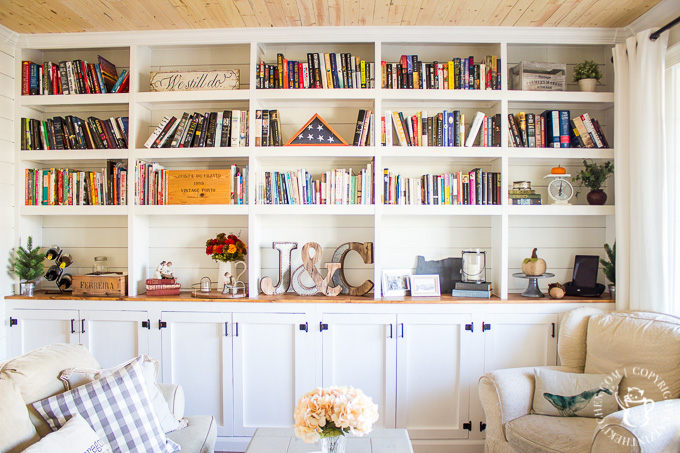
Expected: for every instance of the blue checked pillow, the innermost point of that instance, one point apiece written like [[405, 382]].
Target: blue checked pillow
[[117, 407]]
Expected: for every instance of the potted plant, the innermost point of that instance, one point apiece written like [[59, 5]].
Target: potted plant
[[587, 74], [593, 177], [27, 265], [609, 268]]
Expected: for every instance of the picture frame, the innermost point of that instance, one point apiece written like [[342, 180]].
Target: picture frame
[[396, 282], [425, 285]]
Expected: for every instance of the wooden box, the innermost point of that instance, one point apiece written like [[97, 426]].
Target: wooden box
[[539, 76], [199, 186], [110, 284]]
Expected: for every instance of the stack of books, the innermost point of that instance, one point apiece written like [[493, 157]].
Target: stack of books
[[162, 287], [524, 197], [201, 130], [469, 289], [73, 77], [555, 129], [456, 74]]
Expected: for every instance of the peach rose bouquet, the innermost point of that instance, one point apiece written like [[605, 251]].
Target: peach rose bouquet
[[333, 412]]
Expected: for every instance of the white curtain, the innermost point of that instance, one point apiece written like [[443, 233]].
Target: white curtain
[[673, 169], [642, 230]]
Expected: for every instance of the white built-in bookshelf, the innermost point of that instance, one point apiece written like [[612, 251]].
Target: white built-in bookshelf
[[137, 238]]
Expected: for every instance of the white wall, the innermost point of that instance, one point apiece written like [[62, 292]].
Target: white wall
[[6, 178]]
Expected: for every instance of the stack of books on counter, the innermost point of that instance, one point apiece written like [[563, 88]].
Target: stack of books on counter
[[524, 197], [470, 289], [162, 287]]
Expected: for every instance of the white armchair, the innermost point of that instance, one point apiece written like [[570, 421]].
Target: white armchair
[[643, 347]]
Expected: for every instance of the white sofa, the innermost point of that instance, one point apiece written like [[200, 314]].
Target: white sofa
[[36, 376], [645, 349]]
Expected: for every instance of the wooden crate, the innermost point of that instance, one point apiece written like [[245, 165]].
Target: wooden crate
[[100, 285], [199, 186]]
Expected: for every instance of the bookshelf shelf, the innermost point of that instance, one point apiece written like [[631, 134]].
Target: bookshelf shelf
[[552, 210], [72, 155], [191, 210], [72, 100], [74, 210], [315, 210], [147, 233]]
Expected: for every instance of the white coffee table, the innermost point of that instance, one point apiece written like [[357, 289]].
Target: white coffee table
[[283, 440]]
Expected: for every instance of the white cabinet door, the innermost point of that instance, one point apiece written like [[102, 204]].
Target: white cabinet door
[[114, 337], [433, 375], [37, 328], [273, 367], [519, 340], [360, 351], [197, 355]]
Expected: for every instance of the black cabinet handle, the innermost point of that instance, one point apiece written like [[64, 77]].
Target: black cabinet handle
[[236, 326], [390, 330], [323, 327], [82, 326], [73, 328], [553, 330], [226, 329], [13, 321], [304, 327], [402, 330], [146, 324]]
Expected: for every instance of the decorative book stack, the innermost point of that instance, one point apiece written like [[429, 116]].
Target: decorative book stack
[[162, 287], [468, 289]]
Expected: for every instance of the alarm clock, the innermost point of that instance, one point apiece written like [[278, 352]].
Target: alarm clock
[[560, 190]]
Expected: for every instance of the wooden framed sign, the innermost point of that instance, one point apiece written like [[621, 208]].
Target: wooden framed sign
[[199, 186], [227, 79]]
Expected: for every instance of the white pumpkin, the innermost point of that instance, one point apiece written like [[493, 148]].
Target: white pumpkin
[[533, 265]]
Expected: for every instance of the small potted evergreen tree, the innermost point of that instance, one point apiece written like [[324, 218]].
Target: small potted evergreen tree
[[587, 74], [593, 177], [27, 265], [609, 268]]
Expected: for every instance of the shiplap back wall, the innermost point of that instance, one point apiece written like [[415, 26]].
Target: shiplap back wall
[[6, 177]]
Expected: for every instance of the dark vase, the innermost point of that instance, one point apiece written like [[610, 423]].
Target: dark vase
[[596, 197]]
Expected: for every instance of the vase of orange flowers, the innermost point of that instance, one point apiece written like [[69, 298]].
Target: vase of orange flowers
[[229, 252]]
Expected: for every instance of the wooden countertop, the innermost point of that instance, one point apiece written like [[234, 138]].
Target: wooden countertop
[[514, 298]]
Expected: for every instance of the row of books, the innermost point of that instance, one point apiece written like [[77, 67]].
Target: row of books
[[268, 128], [201, 130], [162, 287], [456, 74], [337, 187], [151, 184], [555, 129], [64, 186], [445, 128], [475, 187], [71, 132], [73, 77], [321, 70]]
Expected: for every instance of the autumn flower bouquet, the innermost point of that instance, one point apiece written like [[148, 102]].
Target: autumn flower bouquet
[[332, 412], [226, 248]]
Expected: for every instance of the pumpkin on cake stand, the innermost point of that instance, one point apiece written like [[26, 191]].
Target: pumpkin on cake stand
[[533, 268]]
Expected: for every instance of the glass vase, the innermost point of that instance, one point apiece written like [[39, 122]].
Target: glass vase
[[333, 444]]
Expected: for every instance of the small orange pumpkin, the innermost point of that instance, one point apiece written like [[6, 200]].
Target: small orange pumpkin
[[558, 170]]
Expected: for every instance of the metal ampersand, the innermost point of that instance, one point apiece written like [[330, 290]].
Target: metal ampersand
[[266, 284]]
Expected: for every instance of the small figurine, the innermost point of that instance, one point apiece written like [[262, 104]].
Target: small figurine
[[228, 281], [168, 272], [158, 273]]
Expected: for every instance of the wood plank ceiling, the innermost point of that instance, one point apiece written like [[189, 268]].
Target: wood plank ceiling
[[67, 16]]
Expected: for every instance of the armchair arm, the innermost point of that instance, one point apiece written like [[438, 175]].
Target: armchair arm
[[508, 394], [174, 395], [649, 428]]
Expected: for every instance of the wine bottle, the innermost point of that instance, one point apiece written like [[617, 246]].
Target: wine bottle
[[52, 273], [65, 282], [52, 252], [64, 260]]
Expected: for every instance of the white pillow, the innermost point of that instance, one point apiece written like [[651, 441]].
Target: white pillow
[[574, 394], [16, 430], [117, 407], [76, 436], [75, 377]]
